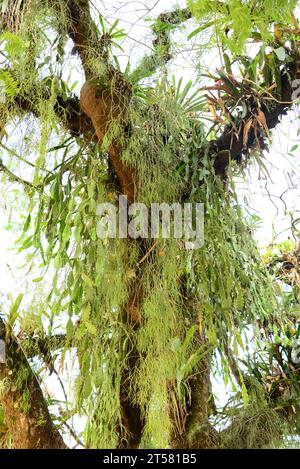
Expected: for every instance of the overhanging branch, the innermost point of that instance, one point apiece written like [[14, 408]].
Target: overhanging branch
[[14, 178], [35, 346], [230, 146], [161, 28], [67, 110]]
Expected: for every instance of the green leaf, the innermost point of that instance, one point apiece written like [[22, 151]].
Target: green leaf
[[200, 29], [13, 312], [27, 223], [66, 234], [87, 280], [294, 148], [189, 335], [91, 328], [114, 25], [27, 243], [69, 328], [38, 279], [15, 46]]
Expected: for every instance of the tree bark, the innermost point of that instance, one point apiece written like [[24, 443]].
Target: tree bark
[[25, 409], [99, 107]]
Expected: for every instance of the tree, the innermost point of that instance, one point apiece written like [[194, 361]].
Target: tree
[[148, 321]]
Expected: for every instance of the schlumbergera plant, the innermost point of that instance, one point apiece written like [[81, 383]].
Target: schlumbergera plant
[[144, 324]]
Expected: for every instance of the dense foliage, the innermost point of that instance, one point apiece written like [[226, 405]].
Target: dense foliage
[[146, 324]]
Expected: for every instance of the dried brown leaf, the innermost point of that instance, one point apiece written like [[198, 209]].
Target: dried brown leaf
[[247, 128]]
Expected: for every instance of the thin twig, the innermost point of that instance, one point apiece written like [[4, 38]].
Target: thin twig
[[16, 178], [148, 253]]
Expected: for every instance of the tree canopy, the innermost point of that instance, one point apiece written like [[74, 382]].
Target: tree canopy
[[144, 325]]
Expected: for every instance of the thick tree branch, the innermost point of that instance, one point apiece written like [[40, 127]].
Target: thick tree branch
[[35, 346], [68, 110], [161, 28], [200, 432], [102, 103], [86, 37], [25, 410], [230, 146]]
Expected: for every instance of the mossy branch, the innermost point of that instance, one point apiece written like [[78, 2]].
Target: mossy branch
[[161, 28], [230, 146], [22, 401]]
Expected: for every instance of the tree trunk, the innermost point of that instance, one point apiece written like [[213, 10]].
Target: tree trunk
[[25, 410]]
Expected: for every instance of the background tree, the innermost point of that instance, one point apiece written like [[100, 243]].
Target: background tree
[[147, 321]]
